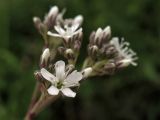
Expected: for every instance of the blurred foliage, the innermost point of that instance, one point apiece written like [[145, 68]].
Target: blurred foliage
[[132, 94]]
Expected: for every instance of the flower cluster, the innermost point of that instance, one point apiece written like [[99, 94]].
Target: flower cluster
[[63, 39], [62, 42], [109, 54]]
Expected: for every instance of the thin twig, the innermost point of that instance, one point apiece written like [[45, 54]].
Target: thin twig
[[42, 103]]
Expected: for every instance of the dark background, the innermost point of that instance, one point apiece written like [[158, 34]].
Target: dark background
[[131, 94]]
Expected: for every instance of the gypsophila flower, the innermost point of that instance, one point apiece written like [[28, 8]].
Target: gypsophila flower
[[67, 32], [62, 40], [62, 81], [128, 55]]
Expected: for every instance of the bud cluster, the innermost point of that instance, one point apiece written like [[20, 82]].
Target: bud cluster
[[109, 54]]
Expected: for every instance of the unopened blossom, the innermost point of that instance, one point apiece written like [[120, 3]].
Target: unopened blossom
[[62, 80], [98, 39], [50, 18], [100, 36], [100, 32], [87, 71], [66, 32], [128, 55], [78, 20], [53, 11], [48, 22], [45, 56]]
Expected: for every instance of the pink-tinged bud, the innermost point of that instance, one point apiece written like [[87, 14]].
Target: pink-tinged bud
[[98, 33], [92, 51], [87, 72], [45, 57], [78, 19], [53, 11], [50, 19], [107, 31], [37, 21]]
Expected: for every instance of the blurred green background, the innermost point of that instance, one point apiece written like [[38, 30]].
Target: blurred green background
[[131, 94]]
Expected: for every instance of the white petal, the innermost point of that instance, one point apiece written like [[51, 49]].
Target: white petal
[[60, 69], [53, 90], [74, 27], [76, 32], [59, 30], [74, 77], [68, 92], [48, 76], [53, 34], [126, 62]]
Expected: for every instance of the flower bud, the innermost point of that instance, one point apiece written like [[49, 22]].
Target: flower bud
[[91, 38], [107, 33], [110, 52], [69, 54], [45, 57], [50, 19], [37, 21], [78, 19], [53, 11], [93, 50], [87, 72], [98, 33]]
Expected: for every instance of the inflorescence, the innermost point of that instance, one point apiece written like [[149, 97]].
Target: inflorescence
[[63, 38], [62, 42]]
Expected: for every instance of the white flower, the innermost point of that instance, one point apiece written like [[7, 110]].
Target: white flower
[[62, 81], [128, 55], [67, 32]]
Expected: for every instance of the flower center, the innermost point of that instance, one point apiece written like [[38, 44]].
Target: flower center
[[59, 85]]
